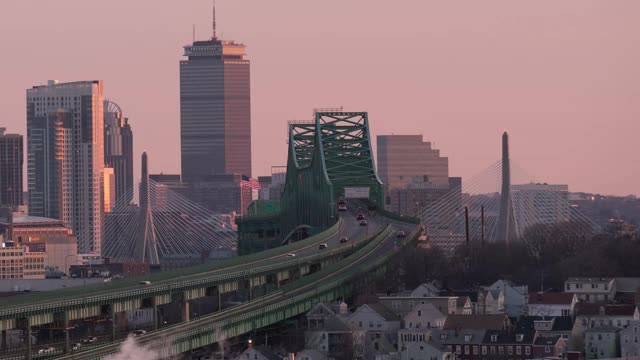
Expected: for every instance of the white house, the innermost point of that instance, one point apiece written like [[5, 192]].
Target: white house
[[258, 353], [552, 304], [602, 343], [593, 290], [515, 297], [490, 302], [381, 326], [322, 311], [594, 316], [424, 316]]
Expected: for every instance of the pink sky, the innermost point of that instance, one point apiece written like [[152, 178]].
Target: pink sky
[[563, 77]]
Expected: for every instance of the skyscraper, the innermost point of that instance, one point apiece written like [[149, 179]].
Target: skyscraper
[[118, 150], [65, 157], [215, 109], [11, 161]]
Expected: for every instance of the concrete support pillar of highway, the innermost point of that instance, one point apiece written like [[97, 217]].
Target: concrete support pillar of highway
[[3, 346], [113, 314], [219, 300], [67, 346], [27, 337], [185, 311], [156, 319]]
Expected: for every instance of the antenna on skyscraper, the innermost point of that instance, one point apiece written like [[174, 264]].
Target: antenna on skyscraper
[[215, 36], [194, 32]]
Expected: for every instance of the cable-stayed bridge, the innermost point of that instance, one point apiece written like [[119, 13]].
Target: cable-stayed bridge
[[502, 203], [334, 160]]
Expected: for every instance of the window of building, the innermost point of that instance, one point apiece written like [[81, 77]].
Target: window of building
[[494, 338], [527, 350], [547, 349], [458, 349], [466, 349], [501, 350], [518, 350], [475, 349], [419, 312], [510, 350], [568, 286], [493, 350], [484, 350]]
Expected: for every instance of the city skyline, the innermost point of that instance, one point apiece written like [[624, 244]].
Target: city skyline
[[583, 121]]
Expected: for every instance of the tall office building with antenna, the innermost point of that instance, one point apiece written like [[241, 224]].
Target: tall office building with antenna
[[215, 109]]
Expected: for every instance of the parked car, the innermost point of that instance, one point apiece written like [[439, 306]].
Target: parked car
[[344, 239]]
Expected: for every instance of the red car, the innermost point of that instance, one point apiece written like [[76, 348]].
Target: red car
[[343, 240], [363, 223]]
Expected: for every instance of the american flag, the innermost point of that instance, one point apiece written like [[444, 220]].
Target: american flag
[[250, 183]]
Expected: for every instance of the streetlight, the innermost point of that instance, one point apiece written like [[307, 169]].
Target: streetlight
[[66, 266]]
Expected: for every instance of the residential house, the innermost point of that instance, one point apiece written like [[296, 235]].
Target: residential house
[[425, 290], [490, 302], [424, 316], [628, 290], [515, 297], [464, 306], [322, 311], [464, 343], [402, 305], [310, 354], [501, 344], [258, 353], [420, 344], [549, 346], [593, 290], [335, 339], [630, 340], [552, 304], [602, 342], [590, 316], [560, 326], [380, 325]]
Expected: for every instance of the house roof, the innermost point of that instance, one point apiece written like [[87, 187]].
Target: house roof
[[589, 280], [313, 353], [383, 311], [335, 324], [476, 322], [627, 284], [560, 323], [547, 340], [583, 308], [267, 353], [460, 337], [549, 298], [428, 310], [472, 295], [504, 337]]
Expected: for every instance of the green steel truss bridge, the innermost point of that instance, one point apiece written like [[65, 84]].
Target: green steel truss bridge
[[326, 158]]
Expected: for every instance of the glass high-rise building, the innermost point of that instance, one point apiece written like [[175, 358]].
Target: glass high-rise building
[[11, 167], [215, 110], [65, 157], [118, 150]]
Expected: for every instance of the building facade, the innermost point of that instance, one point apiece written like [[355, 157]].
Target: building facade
[[215, 111], [118, 150], [592, 290], [11, 168], [65, 157]]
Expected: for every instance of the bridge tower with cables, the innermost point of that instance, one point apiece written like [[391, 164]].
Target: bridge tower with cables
[[506, 225], [146, 249]]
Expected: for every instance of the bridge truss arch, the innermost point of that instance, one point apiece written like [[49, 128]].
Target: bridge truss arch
[[326, 156]]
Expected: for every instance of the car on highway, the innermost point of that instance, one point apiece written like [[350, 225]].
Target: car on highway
[[47, 350], [139, 333], [342, 207], [291, 255], [76, 346], [323, 246], [360, 217], [344, 239], [341, 201], [363, 222], [145, 282], [90, 340], [401, 234]]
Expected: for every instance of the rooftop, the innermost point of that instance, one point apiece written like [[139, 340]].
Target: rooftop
[[28, 220], [550, 298], [476, 322], [590, 280], [608, 310], [504, 337], [547, 340]]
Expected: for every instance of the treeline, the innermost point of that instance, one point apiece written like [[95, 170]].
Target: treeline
[[545, 256]]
